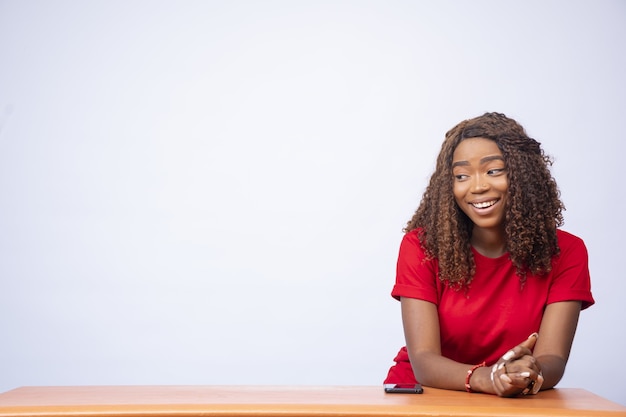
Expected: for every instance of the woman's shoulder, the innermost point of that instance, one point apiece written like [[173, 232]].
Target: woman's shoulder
[[414, 233], [414, 237], [411, 241], [570, 243], [566, 239]]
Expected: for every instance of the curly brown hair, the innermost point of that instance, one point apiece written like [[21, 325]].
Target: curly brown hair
[[533, 209]]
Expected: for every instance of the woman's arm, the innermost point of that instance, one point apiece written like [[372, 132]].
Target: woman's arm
[[556, 335], [421, 330], [520, 372]]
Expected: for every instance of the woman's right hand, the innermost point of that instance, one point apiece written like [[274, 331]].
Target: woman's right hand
[[517, 372]]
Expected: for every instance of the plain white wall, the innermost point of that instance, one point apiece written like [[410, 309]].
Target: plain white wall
[[213, 192]]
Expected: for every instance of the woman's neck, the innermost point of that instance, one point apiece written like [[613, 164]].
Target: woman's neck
[[489, 242]]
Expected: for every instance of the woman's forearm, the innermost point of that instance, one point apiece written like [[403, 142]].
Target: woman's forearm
[[552, 369], [437, 371]]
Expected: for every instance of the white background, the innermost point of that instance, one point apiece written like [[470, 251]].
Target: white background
[[213, 192]]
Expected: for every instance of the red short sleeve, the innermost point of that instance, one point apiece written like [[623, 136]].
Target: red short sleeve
[[416, 276], [570, 273]]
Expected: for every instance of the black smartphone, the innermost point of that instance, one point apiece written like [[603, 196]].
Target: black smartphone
[[404, 388]]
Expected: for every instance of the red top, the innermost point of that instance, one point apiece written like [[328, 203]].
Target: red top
[[496, 312]]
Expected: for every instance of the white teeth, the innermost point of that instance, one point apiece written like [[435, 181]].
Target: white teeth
[[484, 204]]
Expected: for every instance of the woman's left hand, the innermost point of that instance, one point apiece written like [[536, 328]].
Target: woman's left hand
[[517, 372]]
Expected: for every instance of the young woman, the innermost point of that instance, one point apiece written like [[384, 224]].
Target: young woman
[[490, 288]]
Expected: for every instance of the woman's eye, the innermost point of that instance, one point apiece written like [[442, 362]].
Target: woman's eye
[[495, 171], [460, 177]]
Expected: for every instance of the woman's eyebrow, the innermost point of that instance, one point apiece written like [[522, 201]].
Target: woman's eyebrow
[[491, 158], [482, 161]]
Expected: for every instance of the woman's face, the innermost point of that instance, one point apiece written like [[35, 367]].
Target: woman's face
[[480, 181]]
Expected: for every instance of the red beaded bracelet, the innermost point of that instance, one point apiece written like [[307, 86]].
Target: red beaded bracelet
[[468, 387]]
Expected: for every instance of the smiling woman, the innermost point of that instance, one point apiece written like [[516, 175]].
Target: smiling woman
[[479, 272], [480, 190]]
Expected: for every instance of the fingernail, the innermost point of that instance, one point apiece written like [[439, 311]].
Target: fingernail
[[505, 378], [524, 374], [534, 335], [508, 356], [538, 384]]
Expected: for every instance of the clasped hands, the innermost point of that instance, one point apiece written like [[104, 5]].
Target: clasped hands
[[517, 371]]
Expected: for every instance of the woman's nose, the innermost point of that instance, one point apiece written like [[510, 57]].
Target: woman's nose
[[479, 185]]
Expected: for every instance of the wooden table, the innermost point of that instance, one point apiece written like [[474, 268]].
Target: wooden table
[[287, 401]]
